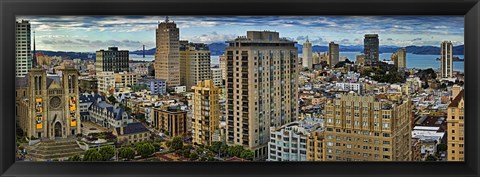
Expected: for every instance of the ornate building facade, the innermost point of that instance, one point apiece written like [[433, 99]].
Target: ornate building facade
[[46, 105]]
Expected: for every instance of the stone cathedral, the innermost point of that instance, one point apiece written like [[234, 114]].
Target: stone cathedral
[[47, 105]]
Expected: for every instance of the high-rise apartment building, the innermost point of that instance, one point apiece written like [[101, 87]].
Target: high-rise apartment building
[[206, 112], [112, 60], [307, 59], [368, 128], [399, 58], [456, 126], [217, 77], [223, 66], [167, 57], [194, 63], [446, 59], [262, 71], [333, 53], [23, 53], [371, 48]]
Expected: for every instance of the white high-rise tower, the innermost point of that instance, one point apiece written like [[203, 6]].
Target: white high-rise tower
[[307, 54], [23, 56]]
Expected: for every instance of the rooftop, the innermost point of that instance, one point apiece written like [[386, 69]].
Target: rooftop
[[457, 99], [133, 128]]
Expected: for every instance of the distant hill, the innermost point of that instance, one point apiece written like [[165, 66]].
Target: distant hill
[[147, 52], [432, 50], [219, 48], [419, 50], [69, 55], [215, 49]]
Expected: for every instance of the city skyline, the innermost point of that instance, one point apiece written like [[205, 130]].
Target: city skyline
[[89, 33], [263, 102]]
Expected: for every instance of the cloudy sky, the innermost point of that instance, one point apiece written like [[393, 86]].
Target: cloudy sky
[[91, 33]]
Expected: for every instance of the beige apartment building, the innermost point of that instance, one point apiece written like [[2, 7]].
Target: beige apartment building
[[307, 59], [106, 82], [262, 72], [455, 126], [194, 63], [399, 58], [126, 79], [315, 146], [368, 128], [167, 57], [223, 66], [206, 112]]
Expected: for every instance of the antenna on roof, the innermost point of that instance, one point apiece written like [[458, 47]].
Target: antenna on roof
[[166, 19]]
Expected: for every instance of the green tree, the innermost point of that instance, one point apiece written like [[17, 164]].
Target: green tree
[[177, 143], [157, 146], [235, 150], [145, 149], [224, 149], [75, 158], [193, 156], [107, 152], [210, 158], [126, 153], [92, 155], [431, 158], [216, 146], [441, 147], [247, 154]]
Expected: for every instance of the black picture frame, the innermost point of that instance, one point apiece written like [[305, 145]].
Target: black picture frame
[[11, 8]]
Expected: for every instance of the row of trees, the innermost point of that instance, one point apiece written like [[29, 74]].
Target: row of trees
[[380, 74], [231, 151], [106, 153], [200, 154]]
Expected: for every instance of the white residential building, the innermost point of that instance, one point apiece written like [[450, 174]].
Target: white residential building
[[180, 89], [430, 137], [289, 142], [23, 53], [356, 87], [106, 82]]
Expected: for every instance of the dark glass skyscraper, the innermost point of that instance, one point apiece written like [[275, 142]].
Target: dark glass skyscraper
[[370, 49]]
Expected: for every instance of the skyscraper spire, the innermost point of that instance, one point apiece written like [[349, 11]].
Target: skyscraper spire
[[34, 59], [307, 39]]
